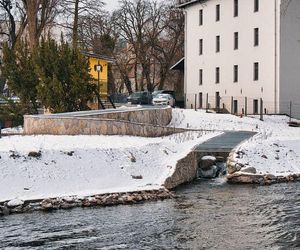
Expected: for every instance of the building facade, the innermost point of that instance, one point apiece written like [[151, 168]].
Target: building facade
[[242, 55]]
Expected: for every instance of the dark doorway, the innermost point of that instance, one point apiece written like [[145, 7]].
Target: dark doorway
[[200, 100], [235, 106], [218, 100], [255, 106]]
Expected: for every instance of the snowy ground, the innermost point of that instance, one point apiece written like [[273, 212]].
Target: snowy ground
[[275, 149], [88, 165]]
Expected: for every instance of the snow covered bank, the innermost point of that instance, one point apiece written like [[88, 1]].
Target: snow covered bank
[[274, 150], [15, 130], [38, 167]]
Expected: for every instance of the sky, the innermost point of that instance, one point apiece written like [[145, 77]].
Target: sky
[[113, 4]]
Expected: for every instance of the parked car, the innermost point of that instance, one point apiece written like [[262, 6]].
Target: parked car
[[163, 99], [3, 101], [170, 92], [14, 99], [142, 97]]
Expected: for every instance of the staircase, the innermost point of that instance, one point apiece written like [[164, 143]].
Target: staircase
[[106, 102]]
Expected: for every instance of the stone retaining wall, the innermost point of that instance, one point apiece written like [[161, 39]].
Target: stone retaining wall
[[142, 122], [154, 116], [92, 126]]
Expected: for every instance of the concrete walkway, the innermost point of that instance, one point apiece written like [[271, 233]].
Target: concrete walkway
[[225, 142]]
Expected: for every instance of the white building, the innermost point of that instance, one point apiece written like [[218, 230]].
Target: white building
[[238, 52]]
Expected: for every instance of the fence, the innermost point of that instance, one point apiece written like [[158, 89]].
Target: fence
[[241, 105]]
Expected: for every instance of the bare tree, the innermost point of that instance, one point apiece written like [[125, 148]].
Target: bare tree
[[170, 47], [97, 33], [144, 38], [155, 32], [33, 15], [13, 21], [74, 10], [40, 13]]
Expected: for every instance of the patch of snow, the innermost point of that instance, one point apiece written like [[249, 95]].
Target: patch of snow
[[97, 165], [15, 130], [15, 203], [208, 157]]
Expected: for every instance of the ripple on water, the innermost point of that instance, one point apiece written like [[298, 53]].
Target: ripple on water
[[206, 215]]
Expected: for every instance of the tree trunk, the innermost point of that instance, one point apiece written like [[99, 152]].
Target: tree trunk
[[75, 24], [32, 10], [127, 83]]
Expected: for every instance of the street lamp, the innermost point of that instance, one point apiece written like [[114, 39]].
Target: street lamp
[[98, 67]]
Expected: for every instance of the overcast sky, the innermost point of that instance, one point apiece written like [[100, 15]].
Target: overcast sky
[[112, 4]]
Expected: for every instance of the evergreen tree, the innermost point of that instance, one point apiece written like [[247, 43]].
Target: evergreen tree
[[63, 72], [19, 69], [55, 74]]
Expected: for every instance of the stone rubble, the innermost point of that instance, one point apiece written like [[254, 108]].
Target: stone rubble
[[268, 179], [210, 167], [243, 174], [13, 207]]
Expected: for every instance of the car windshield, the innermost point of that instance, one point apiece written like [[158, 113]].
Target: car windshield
[[164, 96], [136, 94], [156, 92]]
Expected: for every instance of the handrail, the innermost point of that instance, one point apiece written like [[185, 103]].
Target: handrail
[[110, 100]]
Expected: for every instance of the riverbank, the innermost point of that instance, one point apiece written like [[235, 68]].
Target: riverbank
[[271, 156], [112, 199], [54, 167], [41, 167]]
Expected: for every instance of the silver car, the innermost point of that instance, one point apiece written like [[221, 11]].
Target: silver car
[[163, 99]]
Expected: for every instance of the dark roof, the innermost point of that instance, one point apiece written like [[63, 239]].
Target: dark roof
[[179, 65], [187, 4], [98, 56]]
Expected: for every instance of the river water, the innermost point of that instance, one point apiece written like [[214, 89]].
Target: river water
[[206, 215]]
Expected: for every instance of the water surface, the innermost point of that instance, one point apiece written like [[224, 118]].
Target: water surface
[[206, 215]]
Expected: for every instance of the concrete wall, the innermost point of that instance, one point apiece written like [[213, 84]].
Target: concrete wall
[[244, 57], [187, 168], [290, 57], [185, 171], [81, 123]]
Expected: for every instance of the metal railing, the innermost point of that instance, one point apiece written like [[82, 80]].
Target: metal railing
[[242, 105]]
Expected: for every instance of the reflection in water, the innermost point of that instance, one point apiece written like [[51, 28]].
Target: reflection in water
[[206, 215]]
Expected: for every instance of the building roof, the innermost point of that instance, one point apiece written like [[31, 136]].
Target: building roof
[[98, 56], [189, 3]]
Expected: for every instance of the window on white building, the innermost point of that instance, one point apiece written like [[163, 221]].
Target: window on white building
[[256, 71], [217, 75], [217, 43], [235, 73], [236, 8], [200, 76], [236, 40], [217, 12], [256, 5], [201, 17], [256, 37], [200, 46]]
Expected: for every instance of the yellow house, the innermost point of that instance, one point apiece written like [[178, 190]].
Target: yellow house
[[99, 71]]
